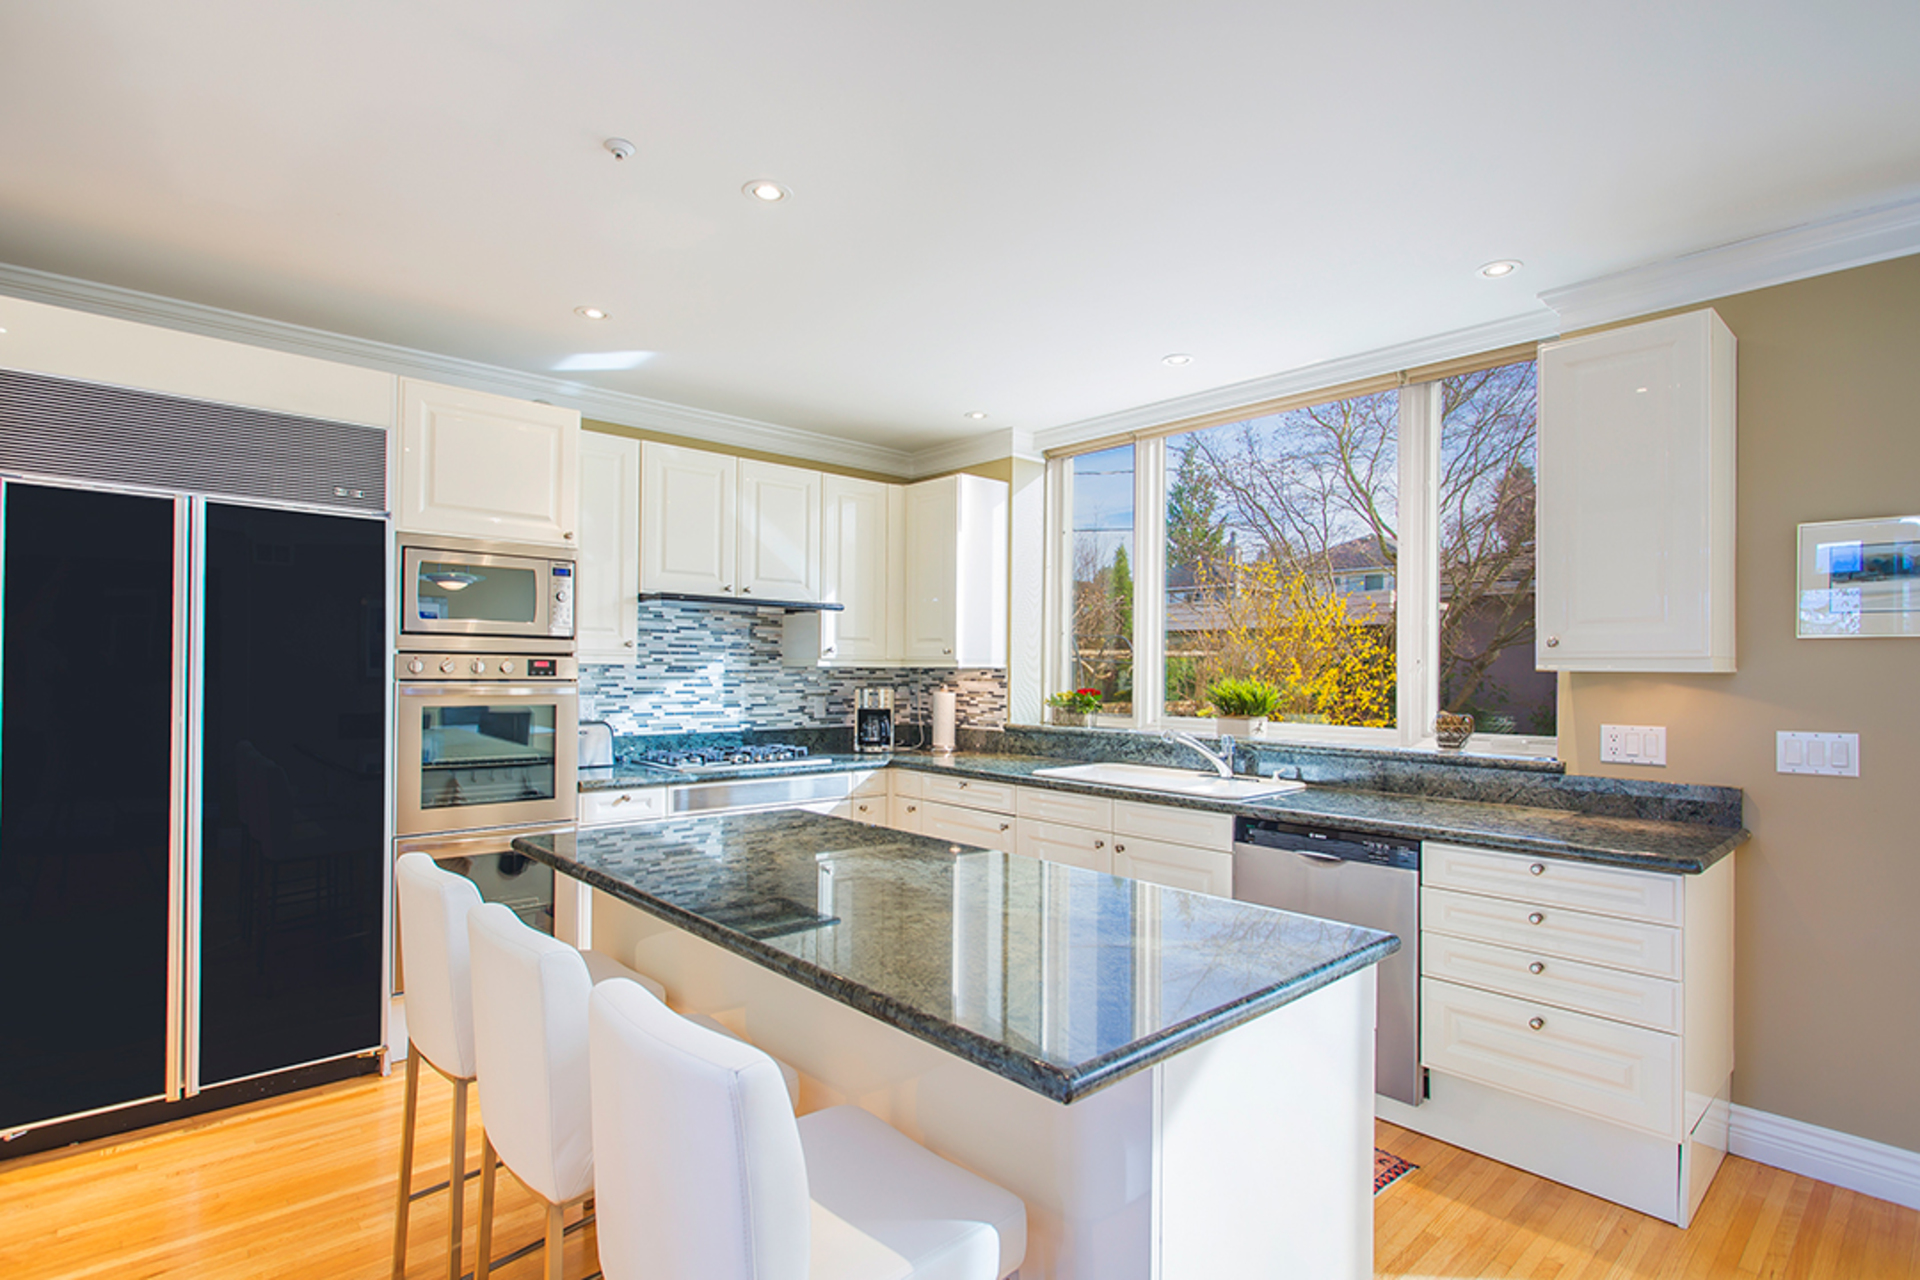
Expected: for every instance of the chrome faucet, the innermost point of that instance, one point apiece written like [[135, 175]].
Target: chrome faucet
[[1221, 760]]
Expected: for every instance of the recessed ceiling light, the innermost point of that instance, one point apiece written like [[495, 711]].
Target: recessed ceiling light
[[1504, 267], [765, 190], [975, 414], [1176, 358], [591, 313]]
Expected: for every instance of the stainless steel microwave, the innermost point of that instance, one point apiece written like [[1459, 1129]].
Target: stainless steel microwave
[[462, 593]]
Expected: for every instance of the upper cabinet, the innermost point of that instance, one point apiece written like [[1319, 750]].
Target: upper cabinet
[[485, 466], [860, 558], [687, 520], [714, 525], [1636, 505], [606, 617], [956, 572]]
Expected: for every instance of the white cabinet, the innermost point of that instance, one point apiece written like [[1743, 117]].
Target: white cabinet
[[687, 520], [606, 616], [1636, 499], [860, 557], [1177, 866], [955, 611], [715, 525], [977, 827], [1577, 1021], [1085, 847], [778, 550], [485, 466]]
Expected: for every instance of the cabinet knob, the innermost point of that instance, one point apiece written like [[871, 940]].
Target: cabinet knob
[[1099, 844], [1538, 868], [948, 652], [913, 808], [1119, 848], [1536, 1023], [746, 591], [1534, 917], [1005, 825], [863, 808], [828, 651], [963, 786], [627, 643], [1553, 642], [1536, 967], [567, 536]]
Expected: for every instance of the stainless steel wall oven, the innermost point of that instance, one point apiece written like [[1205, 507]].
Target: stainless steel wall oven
[[484, 741]]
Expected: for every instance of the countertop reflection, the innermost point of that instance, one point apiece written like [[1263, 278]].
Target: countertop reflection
[[1059, 979]]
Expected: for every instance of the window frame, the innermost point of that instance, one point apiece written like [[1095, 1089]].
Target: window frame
[[1416, 594]]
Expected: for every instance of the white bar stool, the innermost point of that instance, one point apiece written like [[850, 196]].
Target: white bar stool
[[704, 1174], [433, 905]]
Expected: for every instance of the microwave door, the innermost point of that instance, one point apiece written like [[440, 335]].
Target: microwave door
[[464, 593]]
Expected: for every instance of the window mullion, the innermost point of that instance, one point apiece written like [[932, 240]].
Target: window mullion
[[1149, 581], [1417, 564]]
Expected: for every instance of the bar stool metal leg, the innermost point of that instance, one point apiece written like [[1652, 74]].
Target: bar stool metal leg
[[483, 1265], [556, 1240], [457, 1180], [411, 1117]]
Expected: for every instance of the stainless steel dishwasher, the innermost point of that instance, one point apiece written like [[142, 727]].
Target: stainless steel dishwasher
[[1373, 881]]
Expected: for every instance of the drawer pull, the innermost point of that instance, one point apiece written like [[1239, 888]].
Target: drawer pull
[[1119, 848], [1538, 868], [1536, 967], [913, 808], [1099, 844], [963, 786], [1536, 1023], [1005, 825], [622, 799], [1534, 917], [863, 808]]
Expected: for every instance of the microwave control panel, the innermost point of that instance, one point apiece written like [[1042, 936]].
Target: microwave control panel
[[560, 612]]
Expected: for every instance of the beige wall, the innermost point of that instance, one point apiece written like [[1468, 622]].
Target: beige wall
[[1828, 934]]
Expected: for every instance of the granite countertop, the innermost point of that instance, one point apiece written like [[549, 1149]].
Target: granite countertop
[[1059, 979], [1639, 843]]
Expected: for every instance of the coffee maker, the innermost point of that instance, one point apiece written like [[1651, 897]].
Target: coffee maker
[[873, 720]]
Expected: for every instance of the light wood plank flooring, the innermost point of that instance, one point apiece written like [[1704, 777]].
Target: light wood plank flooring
[[303, 1187]]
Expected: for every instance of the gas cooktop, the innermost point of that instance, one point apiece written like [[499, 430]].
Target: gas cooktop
[[709, 760]]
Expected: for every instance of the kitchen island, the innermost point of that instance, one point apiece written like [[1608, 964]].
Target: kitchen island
[[1176, 1085]]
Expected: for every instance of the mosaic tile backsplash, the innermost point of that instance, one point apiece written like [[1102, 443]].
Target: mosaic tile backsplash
[[704, 670]]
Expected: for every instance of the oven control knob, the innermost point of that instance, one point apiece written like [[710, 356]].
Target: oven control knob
[[416, 666], [506, 667], [446, 666], [479, 667]]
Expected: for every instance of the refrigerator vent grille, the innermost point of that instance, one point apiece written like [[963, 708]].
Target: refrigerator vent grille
[[85, 431]]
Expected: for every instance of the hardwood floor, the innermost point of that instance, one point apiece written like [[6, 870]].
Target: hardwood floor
[[303, 1187]]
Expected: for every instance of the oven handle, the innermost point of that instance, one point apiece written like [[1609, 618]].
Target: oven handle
[[455, 689]]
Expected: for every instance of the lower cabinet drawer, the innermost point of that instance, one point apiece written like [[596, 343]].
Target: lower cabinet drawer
[[1057, 842], [1065, 806], [1554, 930], [903, 812], [906, 782], [871, 809], [1628, 1075], [967, 826], [1612, 891], [610, 808], [1177, 866], [971, 793], [871, 782], [1172, 825], [1535, 975]]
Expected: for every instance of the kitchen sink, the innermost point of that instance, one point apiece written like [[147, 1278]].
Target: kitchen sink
[[1185, 782]]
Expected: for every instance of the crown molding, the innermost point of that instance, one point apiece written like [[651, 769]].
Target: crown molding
[[1531, 327], [1811, 249], [973, 450], [616, 407]]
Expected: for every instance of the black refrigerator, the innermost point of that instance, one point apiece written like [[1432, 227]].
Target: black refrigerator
[[193, 709]]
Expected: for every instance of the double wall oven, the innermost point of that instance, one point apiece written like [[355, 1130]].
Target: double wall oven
[[487, 723]]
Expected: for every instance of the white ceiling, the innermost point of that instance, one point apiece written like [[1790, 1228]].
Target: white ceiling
[[1010, 207]]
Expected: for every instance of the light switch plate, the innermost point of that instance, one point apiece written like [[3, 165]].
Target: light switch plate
[[1633, 744], [817, 705], [1832, 755]]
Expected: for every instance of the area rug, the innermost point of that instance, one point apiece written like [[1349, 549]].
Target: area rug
[[1388, 1167]]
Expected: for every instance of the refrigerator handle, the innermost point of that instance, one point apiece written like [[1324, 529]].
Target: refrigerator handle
[[189, 760]]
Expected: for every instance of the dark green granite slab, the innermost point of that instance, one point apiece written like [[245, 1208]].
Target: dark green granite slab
[[1059, 979]]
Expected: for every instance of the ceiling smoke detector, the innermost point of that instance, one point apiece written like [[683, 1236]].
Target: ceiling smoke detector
[[620, 147]]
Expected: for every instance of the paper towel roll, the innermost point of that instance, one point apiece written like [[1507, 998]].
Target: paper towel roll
[[943, 712]]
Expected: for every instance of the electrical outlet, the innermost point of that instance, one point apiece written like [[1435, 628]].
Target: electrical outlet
[[1835, 755], [1633, 744]]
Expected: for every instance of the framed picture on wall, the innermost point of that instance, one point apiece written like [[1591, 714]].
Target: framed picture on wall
[[1859, 578]]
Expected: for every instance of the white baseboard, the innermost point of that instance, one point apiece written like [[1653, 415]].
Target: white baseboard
[[1858, 1164]]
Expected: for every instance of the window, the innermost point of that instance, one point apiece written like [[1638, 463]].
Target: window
[[1280, 544], [1371, 557]]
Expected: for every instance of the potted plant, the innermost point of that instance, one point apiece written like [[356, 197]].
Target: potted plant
[[1072, 709], [1241, 705]]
